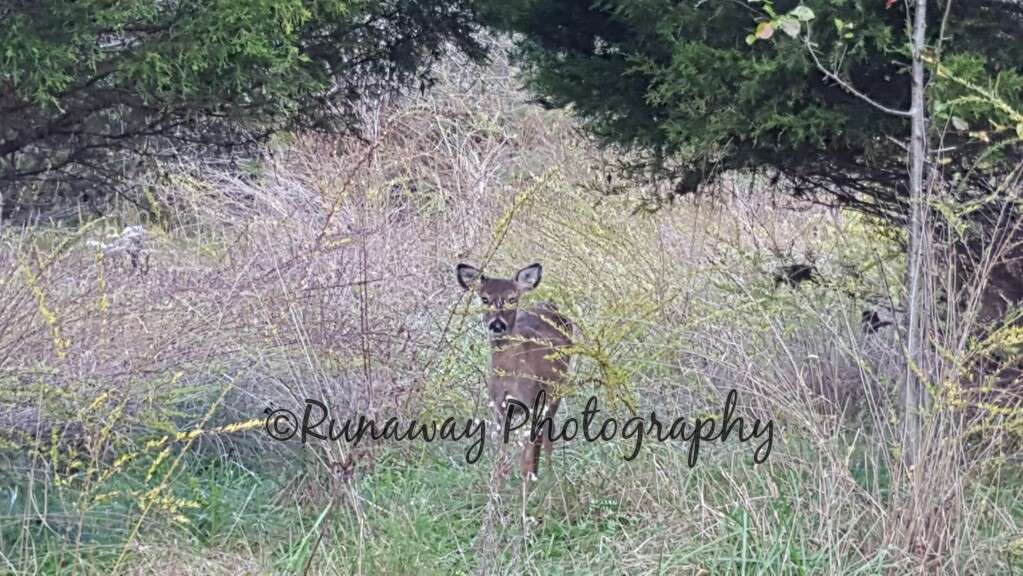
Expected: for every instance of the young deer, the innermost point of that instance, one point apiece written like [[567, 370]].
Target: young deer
[[526, 349]]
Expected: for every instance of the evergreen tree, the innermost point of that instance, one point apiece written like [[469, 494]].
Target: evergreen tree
[[89, 86], [708, 86]]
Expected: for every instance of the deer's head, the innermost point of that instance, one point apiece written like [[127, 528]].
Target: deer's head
[[500, 296]]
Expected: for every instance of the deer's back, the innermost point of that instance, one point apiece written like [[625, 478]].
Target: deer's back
[[528, 360], [544, 323]]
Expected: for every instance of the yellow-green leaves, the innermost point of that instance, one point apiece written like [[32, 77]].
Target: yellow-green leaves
[[844, 29], [802, 13], [791, 23]]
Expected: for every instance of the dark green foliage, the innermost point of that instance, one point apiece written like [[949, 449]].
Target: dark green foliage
[[86, 85], [679, 81]]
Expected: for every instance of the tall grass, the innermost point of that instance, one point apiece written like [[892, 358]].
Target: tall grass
[[133, 404]]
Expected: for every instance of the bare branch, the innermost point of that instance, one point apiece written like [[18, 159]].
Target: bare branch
[[849, 87]]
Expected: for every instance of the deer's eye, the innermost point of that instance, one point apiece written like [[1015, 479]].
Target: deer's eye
[[486, 301], [513, 301]]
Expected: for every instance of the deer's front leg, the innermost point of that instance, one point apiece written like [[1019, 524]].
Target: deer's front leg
[[530, 459], [498, 406], [502, 461]]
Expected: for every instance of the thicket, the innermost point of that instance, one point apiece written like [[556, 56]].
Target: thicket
[[93, 91]]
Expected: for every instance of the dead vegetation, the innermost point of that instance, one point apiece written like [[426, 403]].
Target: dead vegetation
[[326, 271]]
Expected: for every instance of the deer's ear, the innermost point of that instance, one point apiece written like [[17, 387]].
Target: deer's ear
[[529, 277], [467, 275]]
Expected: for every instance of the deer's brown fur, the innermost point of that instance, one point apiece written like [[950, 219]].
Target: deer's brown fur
[[527, 349]]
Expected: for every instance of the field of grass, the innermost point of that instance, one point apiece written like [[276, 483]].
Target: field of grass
[[132, 404]]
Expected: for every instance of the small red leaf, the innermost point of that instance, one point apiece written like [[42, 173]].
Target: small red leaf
[[889, 3]]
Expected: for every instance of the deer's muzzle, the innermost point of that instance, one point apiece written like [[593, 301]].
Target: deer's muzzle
[[498, 326]]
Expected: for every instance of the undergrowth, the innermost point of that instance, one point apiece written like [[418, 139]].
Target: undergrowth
[[133, 403]]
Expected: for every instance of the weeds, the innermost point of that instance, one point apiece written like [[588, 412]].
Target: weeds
[[132, 404]]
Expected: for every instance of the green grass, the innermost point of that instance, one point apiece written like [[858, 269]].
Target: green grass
[[420, 509], [673, 308]]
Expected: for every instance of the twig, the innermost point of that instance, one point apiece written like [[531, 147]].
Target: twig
[[849, 87]]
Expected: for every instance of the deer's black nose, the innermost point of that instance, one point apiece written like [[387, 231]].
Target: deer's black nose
[[498, 326]]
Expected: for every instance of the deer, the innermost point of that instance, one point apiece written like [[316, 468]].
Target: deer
[[528, 352]]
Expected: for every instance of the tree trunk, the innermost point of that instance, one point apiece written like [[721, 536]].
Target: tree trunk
[[918, 249]]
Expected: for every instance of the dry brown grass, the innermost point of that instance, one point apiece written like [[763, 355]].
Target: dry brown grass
[[325, 271]]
